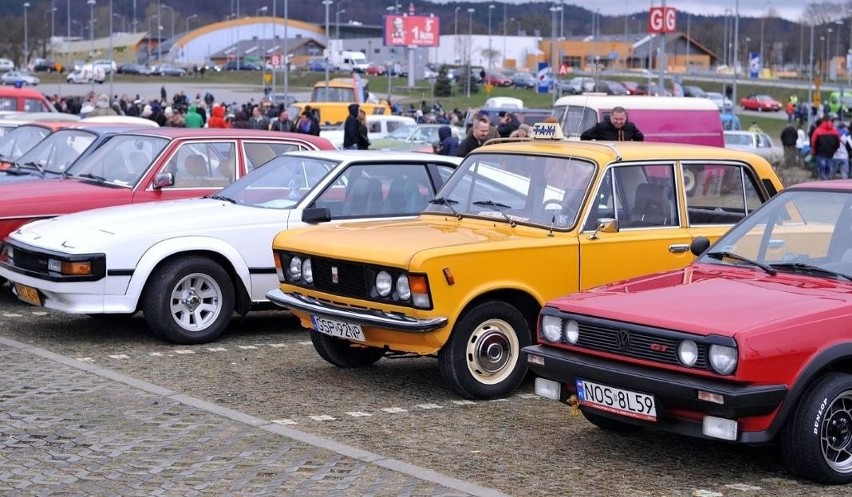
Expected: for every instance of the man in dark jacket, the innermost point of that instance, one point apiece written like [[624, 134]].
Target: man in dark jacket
[[447, 144], [789, 136], [508, 123], [824, 142], [616, 128], [350, 128], [477, 136]]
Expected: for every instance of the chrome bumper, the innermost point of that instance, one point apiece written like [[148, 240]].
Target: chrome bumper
[[364, 317]]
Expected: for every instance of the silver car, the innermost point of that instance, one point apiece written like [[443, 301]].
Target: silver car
[[26, 79]]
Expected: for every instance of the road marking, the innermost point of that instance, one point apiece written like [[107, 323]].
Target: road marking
[[464, 402], [12, 315], [217, 349], [284, 422], [743, 487], [246, 347], [278, 345], [184, 352], [323, 417], [119, 356], [706, 493], [155, 354], [85, 359], [430, 406], [394, 410], [305, 343], [359, 414], [40, 313]]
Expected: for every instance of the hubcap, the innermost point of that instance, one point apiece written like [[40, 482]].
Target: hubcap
[[196, 302], [492, 351], [836, 433]]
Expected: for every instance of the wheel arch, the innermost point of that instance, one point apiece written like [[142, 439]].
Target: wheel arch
[[523, 301], [837, 359], [223, 254]]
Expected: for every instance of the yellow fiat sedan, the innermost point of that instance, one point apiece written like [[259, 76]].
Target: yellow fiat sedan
[[517, 224]]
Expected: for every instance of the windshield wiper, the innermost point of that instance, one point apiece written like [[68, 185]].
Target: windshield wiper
[[99, 179], [721, 255], [32, 165], [448, 202], [220, 197], [497, 206], [810, 268]]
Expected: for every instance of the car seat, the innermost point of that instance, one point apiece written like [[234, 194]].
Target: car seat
[[404, 197], [653, 205], [364, 197]]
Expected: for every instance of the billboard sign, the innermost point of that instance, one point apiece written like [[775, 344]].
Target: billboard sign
[[754, 65], [662, 20], [403, 30], [544, 77]]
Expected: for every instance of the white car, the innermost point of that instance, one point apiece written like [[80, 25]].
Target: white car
[[756, 142], [6, 65], [107, 65], [188, 265], [722, 102], [26, 79], [378, 126], [87, 75]]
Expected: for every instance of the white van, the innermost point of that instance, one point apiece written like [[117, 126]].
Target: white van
[[504, 103], [348, 60], [660, 119]]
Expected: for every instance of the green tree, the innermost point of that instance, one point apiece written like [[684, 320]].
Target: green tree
[[443, 86]]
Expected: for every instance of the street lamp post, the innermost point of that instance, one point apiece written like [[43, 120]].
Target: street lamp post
[[837, 40], [553, 61], [172, 17], [688, 40], [327, 3], [262, 10], [26, 35], [187, 21], [337, 13], [490, 55], [52, 30], [828, 55], [456, 34], [91, 4], [123, 21], [504, 35], [470, 12]]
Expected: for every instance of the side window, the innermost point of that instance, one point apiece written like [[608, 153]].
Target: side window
[[8, 104], [718, 193], [378, 190], [648, 194], [374, 127], [392, 125], [203, 165], [258, 154]]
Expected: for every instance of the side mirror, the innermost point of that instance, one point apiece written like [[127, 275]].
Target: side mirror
[[605, 225], [699, 245], [313, 215], [164, 179]]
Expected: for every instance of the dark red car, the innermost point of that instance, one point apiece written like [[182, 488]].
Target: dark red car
[[497, 79], [752, 343], [760, 103], [375, 69], [147, 165]]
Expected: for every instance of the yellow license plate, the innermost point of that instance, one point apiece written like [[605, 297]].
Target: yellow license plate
[[28, 294]]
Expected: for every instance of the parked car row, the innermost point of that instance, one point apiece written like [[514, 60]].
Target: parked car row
[[592, 264]]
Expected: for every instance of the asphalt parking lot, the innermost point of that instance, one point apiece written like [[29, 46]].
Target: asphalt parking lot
[[265, 368]]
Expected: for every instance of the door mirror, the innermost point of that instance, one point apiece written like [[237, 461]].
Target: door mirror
[[313, 215], [164, 179], [605, 225], [699, 245]]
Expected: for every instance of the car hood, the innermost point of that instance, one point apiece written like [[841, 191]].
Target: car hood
[[54, 197], [398, 242], [707, 299], [90, 230]]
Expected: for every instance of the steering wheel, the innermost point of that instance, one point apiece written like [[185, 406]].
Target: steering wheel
[[552, 201]]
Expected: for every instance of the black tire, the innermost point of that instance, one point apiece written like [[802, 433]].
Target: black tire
[[817, 439], [189, 300], [609, 424], [343, 353], [482, 359]]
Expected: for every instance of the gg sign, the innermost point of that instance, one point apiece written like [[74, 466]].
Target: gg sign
[[661, 20]]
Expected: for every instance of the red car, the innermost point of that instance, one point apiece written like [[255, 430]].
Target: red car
[[497, 79], [760, 103], [146, 165], [375, 69], [752, 343]]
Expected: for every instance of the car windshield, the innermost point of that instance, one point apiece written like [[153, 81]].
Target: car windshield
[[281, 183], [59, 150], [403, 132], [575, 119], [799, 231], [20, 140], [536, 190], [122, 160]]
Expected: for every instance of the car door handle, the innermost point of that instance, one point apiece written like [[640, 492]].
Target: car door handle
[[678, 248]]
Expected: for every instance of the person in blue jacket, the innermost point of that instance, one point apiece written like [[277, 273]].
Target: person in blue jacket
[[448, 143]]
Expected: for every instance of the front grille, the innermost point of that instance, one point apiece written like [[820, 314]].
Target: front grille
[[28, 260], [643, 344], [351, 278]]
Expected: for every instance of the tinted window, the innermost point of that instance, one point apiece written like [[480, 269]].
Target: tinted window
[[718, 193]]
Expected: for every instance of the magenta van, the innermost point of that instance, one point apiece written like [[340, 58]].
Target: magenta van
[[661, 119]]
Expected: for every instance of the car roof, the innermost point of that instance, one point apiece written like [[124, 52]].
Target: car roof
[[229, 133], [375, 155], [634, 102], [831, 185]]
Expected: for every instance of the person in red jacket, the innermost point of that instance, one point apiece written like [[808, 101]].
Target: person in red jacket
[[217, 118], [825, 140]]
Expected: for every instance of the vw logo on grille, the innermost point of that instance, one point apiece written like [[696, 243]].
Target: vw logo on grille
[[334, 277], [622, 339]]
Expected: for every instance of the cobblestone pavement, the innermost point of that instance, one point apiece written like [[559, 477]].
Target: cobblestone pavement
[[72, 428]]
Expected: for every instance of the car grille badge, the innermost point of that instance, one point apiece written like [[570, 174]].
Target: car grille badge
[[334, 276]]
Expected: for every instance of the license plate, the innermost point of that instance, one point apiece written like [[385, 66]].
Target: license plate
[[28, 294], [616, 400], [339, 329]]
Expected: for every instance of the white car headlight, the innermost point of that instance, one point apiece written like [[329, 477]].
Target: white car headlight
[[295, 269], [307, 271], [403, 289], [723, 359], [551, 328], [384, 282], [687, 352], [572, 331]]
